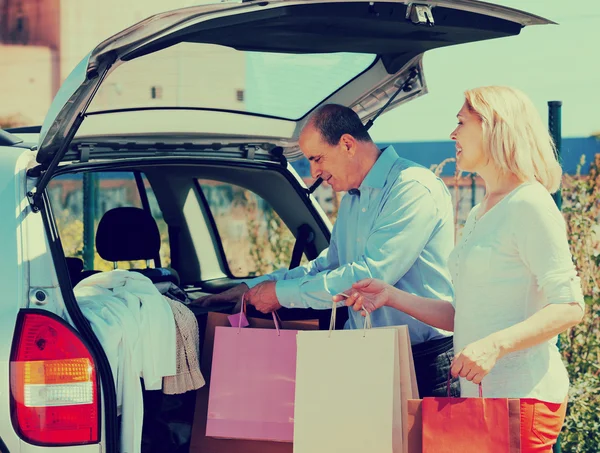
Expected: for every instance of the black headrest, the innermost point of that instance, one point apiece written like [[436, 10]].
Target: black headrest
[[75, 266], [127, 234]]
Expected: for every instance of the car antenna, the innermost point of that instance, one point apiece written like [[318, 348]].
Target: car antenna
[[406, 86]]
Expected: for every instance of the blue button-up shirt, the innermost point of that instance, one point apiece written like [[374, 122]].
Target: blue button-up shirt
[[397, 227]]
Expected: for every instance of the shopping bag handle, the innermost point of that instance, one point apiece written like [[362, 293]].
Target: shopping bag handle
[[367, 325], [448, 386], [243, 310]]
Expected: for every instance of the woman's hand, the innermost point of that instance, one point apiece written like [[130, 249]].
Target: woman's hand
[[369, 294], [476, 360]]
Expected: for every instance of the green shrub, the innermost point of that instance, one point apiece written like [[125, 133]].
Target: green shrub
[[581, 344]]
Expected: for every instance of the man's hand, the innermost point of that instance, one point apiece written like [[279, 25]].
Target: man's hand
[[263, 297], [231, 295], [476, 360]]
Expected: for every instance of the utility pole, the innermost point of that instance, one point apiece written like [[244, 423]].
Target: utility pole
[[5, 7], [473, 189], [555, 129], [89, 219]]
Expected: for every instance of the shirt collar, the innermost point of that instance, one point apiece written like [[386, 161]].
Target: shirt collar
[[378, 173]]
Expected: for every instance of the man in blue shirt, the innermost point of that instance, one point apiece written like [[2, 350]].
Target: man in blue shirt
[[395, 223]]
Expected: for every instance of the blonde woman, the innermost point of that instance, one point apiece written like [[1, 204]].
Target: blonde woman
[[515, 284]]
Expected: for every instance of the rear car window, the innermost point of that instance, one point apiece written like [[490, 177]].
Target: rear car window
[[210, 76], [103, 192], [254, 238]]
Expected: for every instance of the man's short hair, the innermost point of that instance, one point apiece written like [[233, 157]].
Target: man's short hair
[[333, 120]]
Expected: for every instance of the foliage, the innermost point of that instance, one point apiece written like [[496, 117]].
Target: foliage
[[581, 344], [271, 242], [437, 170], [267, 244], [12, 121]]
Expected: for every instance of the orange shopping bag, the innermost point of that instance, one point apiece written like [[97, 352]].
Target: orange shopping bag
[[461, 425]]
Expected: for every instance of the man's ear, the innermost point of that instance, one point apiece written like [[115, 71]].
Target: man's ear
[[348, 144]]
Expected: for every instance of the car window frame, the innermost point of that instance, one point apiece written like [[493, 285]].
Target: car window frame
[[212, 225]]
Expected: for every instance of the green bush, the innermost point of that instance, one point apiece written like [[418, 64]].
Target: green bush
[[581, 344]]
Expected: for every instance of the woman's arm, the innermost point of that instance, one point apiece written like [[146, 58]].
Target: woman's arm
[[435, 312], [538, 328], [477, 359], [372, 294]]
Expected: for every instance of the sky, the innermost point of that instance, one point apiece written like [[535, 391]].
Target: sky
[[547, 62]]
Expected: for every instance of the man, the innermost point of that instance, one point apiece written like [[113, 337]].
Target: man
[[395, 223]]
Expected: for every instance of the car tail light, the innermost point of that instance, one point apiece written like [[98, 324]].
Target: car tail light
[[54, 390]]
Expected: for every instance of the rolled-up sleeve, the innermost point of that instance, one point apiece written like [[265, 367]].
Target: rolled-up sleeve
[[402, 229], [543, 246]]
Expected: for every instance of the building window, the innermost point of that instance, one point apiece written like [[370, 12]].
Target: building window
[[156, 92], [240, 95]]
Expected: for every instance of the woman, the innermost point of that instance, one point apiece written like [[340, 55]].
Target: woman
[[515, 284]]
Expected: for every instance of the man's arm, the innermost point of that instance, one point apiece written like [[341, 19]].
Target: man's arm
[[328, 259], [401, 231]]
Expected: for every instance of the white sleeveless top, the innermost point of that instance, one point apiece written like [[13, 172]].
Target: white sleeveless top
[[509, 264]]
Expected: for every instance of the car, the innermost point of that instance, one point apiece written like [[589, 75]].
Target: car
[[216, 177]]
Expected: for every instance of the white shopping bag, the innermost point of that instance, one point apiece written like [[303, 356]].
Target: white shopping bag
[[348, 395]]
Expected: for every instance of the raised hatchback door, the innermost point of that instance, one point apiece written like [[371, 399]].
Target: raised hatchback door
[[392, 32]]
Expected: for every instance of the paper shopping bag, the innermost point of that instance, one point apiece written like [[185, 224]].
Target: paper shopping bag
[[415, 426], [456, 425], [408, 379], [252, 384], [348, 392], [201, 443]]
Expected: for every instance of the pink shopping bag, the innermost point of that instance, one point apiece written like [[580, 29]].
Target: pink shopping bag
[[252, 384]]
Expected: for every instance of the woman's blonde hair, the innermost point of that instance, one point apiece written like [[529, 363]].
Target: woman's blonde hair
[[514, 136]]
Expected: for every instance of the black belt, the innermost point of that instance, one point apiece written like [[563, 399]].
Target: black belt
[[432, 347]]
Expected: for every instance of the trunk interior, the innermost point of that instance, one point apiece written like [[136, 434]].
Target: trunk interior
[[219, 221]]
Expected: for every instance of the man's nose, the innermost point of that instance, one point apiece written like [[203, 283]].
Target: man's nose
[[314, 172]]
